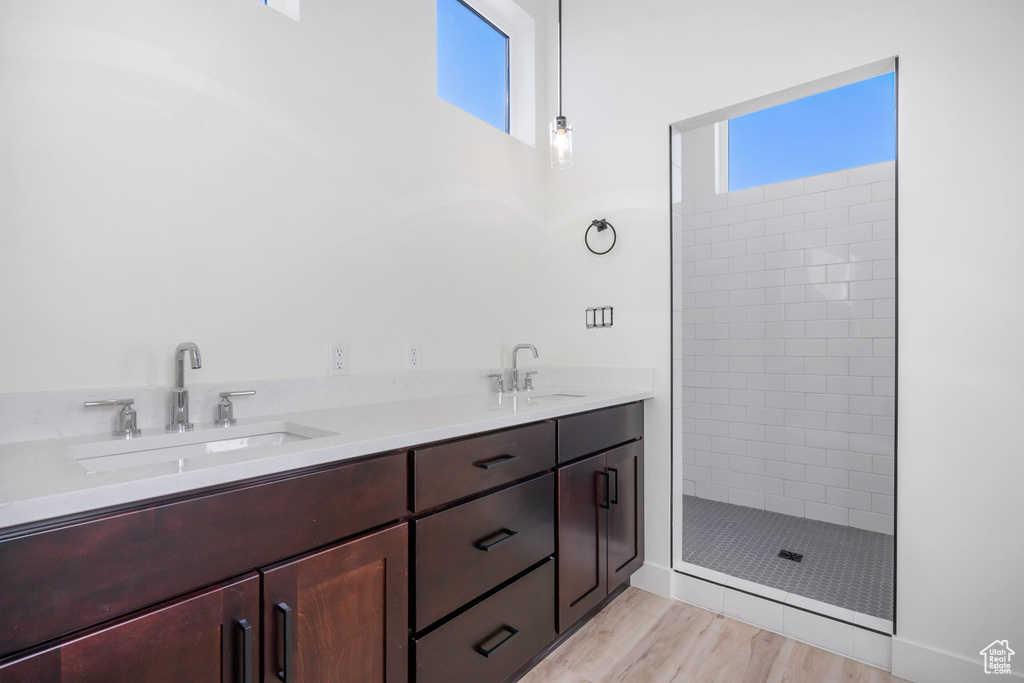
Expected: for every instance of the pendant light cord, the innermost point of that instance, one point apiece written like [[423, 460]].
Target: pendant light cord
[[559, 57]]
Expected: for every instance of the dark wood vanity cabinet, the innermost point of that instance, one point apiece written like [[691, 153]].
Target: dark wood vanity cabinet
[[339, 614], [211, 636], [600, 526]]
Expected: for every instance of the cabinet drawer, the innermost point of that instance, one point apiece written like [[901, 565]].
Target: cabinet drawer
[[455, 470], [493, 639], [65, 578], [580, 435], [466, 551]]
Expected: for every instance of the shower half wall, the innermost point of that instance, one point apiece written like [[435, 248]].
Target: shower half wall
[[784, 370]]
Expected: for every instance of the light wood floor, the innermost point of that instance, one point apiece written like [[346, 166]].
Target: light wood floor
[[642, 637]]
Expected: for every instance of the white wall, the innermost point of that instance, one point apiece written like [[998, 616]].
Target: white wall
[[960, 239], [210, 170], [784, 375]]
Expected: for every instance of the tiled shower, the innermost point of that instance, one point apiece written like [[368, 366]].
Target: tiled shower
[[784, 306]]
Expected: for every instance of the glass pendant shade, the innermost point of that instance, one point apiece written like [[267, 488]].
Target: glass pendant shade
[[561, 143]]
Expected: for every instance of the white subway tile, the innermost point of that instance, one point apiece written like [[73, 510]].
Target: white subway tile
[[832, 403], [805, 383], [712, 364], [873, 483], [803, 490], [742, 463], [761, 484], [709, 428], [785, 365], [873, 327], [806, 311], [784, 470], [768, 313], [848, 310], [785, 506], [783, 259], [872, 521], [730, 446], [884, 386], [805, 419], [826, 181], [729, 413], [746, 397], [791, 329], [783, 224], [882, 504], [790, 400], [736, 214], [828, 365], [746, 230], [827, 328], [741, 496], [847, 498], [748, 432], [849, 385], [729, 249], [767, 278], [883, 426], [707, 395], [833, 291], [697, 253], [884, 269], [794, 294], [878, 445], [730, 281], [804, 203], [683, 207], [805, 347], [728, 380], [695, 221], [807, 275], [715, 266], [695, 473], [849, 234], [845, 272], [873, 648], [848, 460], [873, 251], [711, 492], [746, 330], [784, 435], [741, 363], [746, 264], [829, 218], [765, 382], [872, 173], [719, 461], [751, 195], [883, 230], [711, 235], [873, 289], [728, 479], [712, 331], [819, 256], [866, 213], [766, 450], [807, 239], [873, 367], [819, 438], [696, 379], [765, 245], [849, 423], [729, 314], [710, 203], [818, 631], [848, 196], [790, 188], [746, 297], [873, 405], [697, 592], [754, 610], [884, 308], [826, 513], [826, 476], [763, 210], [688, 490]]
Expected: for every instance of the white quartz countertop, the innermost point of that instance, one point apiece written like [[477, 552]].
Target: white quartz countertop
[[49, 478]]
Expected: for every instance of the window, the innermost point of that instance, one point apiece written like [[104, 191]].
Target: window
[[472, 63], [854, 125]]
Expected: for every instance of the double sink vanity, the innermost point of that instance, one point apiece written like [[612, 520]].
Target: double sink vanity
[[455, 538]]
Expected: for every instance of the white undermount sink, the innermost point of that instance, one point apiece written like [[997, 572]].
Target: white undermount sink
[[188, 449]]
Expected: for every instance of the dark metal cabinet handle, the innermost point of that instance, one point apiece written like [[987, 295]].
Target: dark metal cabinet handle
[[511, 634], [606, 505], [286, 641], [615, 497], [508, 534], [500, 460], [246, 667]]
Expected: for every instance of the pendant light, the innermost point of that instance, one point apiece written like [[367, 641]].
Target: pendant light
[[561, 131]]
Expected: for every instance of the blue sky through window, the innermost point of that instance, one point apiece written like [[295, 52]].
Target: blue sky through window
[[854, 125], [472, 63]]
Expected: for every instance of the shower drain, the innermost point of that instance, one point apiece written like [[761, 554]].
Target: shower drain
[[790, 555]]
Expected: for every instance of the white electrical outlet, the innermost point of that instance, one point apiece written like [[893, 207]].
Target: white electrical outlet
[[337, 358], [413, 356]]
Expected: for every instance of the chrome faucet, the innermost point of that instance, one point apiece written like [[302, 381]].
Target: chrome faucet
[[513, 373], [179, 394]]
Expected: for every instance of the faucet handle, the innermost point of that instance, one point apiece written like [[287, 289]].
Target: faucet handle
[[528, 382], [226, 409], [127, 418], [499, 382]]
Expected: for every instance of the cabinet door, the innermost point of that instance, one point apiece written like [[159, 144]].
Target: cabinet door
[[626, 513], [209, 637], [583, 490], [340, 614]]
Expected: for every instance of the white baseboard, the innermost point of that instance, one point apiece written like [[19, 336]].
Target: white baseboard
[[653, 578], [922, 664]]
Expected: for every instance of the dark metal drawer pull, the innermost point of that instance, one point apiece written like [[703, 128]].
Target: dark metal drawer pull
[[246, 668], [508, 533], [500, 460], [511, 634], [615, 498], [286, 640], [605, 503]]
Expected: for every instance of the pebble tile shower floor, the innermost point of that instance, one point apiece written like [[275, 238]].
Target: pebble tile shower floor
[[842, 566]]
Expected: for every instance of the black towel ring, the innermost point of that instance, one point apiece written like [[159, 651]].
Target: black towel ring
[[601, 224]]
